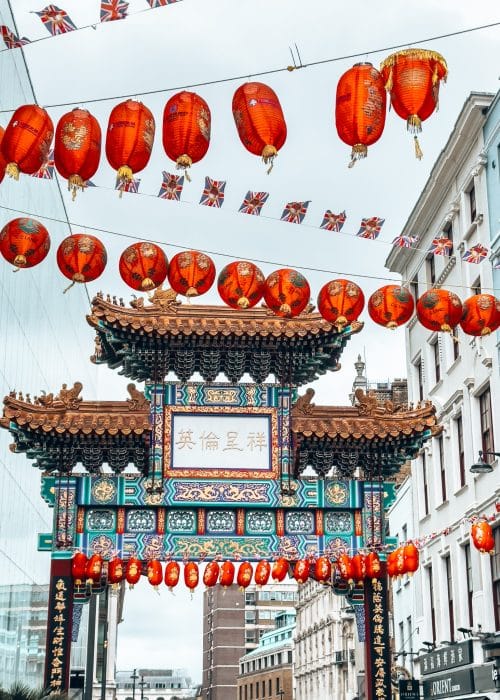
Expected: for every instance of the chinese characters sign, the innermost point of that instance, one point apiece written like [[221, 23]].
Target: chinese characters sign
[[377, 632], [449, 656], [59, 628]]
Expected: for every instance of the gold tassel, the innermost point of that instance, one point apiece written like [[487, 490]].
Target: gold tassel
[[359, 150], [389, 84], [418, 151], [12, 170], [75, 182], [269, 153], [184, 162], [414, 124]]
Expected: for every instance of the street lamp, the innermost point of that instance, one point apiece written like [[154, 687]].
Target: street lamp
[[482, 467], [142, 683], [280, 693], [134, 677]]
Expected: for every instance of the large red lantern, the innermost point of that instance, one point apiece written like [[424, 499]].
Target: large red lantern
[[93, 569], [412, 78], [391, 306], [360, 107], [400, 561], [26, 142], [322, 570], [482, 536], [358, 565], [3, 162], [286, 292], [481, 314], [439, 310], [143, 266], [116, 571], [227, 572], [373, 567], [154, 572], [391, 564], [81, 258], [280, 569], [245, 573], [77, 148], [191, 575], [191, 273], [129, 139], [340, 302], [172, 574], [24, 242], [262, 572], [411, 557], [259, 119], [301, 570], [133, 571], [241, 284], [79, 568], [211, 574], [344, 564], [186, 129]]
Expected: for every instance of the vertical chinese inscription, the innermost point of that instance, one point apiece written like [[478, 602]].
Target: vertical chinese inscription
[[58, 643], [377, 640]]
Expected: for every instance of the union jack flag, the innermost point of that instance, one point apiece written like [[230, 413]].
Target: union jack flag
[[46, 171], [441, 246], [333, 222], [253, 202], [476, 254], [404, 241], [161, 3], [89, 183], [113, 9], [171, 187], [294, 212], [10, 40], [370, 228], [127, 186], [56, 21], [213, 193]]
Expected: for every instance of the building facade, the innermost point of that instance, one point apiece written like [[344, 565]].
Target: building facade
[[154, 684], [456, 587]]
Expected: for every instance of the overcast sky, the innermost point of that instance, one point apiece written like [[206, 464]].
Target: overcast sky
[[200, 40]]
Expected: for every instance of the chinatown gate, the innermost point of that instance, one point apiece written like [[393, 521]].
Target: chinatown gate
[[220, 464]]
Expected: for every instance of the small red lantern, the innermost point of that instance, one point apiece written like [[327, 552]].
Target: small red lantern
[[129, 139], [79, 568], [241, 284], [26, 141], [81, 258], [482, 536], [24, 242], [411, 557], [340, 302], [344, 564], [186, 129], [133, 571], [3, 162], [191, 575], [143, 266], [439, 310], [358, 565], [373, 567], [280, 569], [93, 569], [172, 574], [245, 573], [211, 574], [391, 563], [227, 572], [322, 570], [301, 570], [77, 148], [259, 119], [391, 306], [360, 107], [262, 572], [191, 273], [154, 572], [116, 571], [286, 292], [481, 314], [400, 561]]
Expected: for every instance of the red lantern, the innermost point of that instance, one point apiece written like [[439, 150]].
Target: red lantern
[[116, 571], [262, 572], [93, 569], [439, 310], [186, 129], [481, 314], [27, 139], [360, 107], [411, 557], [77, 148], [286, 292], [172, 574], [3, 162], [482, 536], [280, 569], [301, 570], [79, 568], [226, 574], [341, 302], [241, 285], [133, 570], [399, 561], [211, 574], [322, 570], [191, 575], [245, 573], [373, 567], [155, 572], [129, 139], [344, 564], [143, 266], [412, 78], [191, 273], [358, 565], [81, 258], [391, 306], [259, 119], [391, 563], [24, 242]]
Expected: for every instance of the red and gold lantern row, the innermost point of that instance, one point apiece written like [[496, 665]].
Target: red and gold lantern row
[[24, 242], [358, 565], [391, 564], [241, 284], [191, 273], [93, 569], [116, 571], [81, 258], [439, 310], [186, 129], [262, 572], [245, 573], [481, 314], [154, 572], [286, 292], [143, 266], [411, 558], [412, 78], [391, 306], [129, 139], [133, 570], [344, 564], [172, 574], [322, 570], [227, 572], [211, 574], [279, 569], [77, 148], [26, 141], [79, 568], [3, 162], [301, 570], [259, 120], [360, 107], [340, 302], [482, 536], [191, 575]]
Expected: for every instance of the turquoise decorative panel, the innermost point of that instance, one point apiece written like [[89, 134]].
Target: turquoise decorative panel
[[339, 522], [260, 522], [100, 519], [141, 520], [181, 521]]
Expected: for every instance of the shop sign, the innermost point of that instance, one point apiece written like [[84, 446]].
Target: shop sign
[[409, 689], [486, 677], [446, 657], [447, 685]]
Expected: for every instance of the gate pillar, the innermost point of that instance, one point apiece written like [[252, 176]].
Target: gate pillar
[[59, 625]]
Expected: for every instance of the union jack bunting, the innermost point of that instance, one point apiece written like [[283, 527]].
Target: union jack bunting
[[370, 228], [476, 254], [160, 3], [113, 9], [404, 241], [56, 21], [213, 193], [253, 202], [294, 212], [10, 40], [333, 222], [171, 187], [89, 183], [129, 186], [441, 246], [46, 172]]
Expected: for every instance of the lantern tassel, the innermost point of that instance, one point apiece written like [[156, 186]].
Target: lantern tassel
[[359, 150], [418, 151], [269, 153], [75, 183], [124, 175], [183, 163], [12, 170], [68, 288]]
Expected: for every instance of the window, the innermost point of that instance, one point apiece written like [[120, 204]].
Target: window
[[420, 378], [270, 688], [486, 424], [437, 359], [495, 575], [401, 638], [404, 533], [456, 347], [414, 287], [263, 689], [410, 633], [433, 610], [426, 486], [449, 585], [470, 585], [257, 689], [460, 444], [277, 684], [241, 692], [431, 268], [442, 468], [472, 203], [448, 233], [251, 691], [476, 286]]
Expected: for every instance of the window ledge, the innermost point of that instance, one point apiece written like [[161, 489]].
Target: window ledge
[[436, 386], [454, 364], [442, 505], [461, 490], [424, 518]]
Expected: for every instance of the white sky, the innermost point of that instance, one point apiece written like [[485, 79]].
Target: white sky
[[194, 41]]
